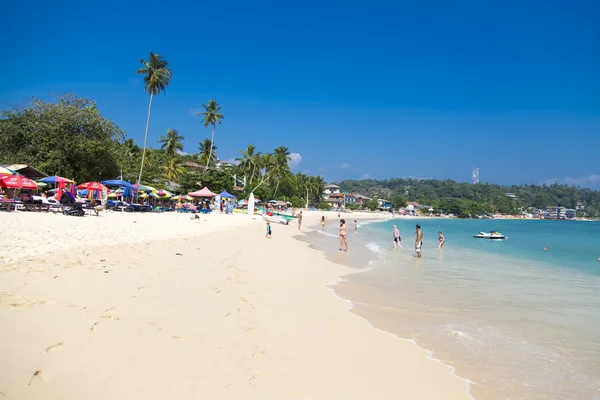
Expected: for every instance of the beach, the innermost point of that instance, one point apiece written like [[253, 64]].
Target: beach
[[158, 306]]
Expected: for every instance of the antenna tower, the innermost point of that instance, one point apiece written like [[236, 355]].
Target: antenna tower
[[475, 175]]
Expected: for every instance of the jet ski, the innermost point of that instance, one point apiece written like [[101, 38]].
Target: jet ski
[[490, 235]]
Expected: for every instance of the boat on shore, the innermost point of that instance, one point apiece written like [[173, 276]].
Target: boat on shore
[[491, 235], [276, 219]]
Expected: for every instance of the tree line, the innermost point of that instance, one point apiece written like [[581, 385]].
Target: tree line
[[465, 198]]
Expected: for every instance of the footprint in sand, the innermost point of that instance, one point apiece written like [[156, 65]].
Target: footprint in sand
[[249, 329], [95, 327], [217, 291], [38, 377], [113, 317], [259, 352], [252, 380]]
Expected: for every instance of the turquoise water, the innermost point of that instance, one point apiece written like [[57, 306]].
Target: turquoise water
[[517, 321]]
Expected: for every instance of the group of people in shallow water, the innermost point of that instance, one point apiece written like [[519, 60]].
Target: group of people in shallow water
[[343, 236]]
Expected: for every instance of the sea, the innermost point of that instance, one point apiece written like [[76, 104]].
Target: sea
[[514, 320]]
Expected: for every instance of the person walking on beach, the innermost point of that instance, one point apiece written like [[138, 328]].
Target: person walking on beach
[[442, 240], [355, 226], [419, 241], [300, 220], [323, 223], [397, 238], [343, 235], [268, 236]]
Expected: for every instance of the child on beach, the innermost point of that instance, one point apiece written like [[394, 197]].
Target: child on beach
[[268, 236], [323, 223], [355, 226]]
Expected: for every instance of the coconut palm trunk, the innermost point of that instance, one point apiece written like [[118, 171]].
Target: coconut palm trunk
[[212, 140], [145, 140]]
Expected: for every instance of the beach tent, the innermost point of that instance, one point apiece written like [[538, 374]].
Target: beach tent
[[225, 195], [202, 193]]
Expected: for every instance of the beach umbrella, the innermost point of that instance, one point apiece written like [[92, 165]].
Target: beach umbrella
[[55, 179], [91, 186], [119, 182], [17, 182], [145, 188], [164, 193], [41, 184], [225, 195], [7, 171], [183, 197]]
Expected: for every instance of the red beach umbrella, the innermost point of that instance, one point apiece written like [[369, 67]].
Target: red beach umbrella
[[17, 182], [91, 186]]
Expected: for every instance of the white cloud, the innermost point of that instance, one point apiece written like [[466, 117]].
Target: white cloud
[[590, 181], [182, 153], [366, 176], [344, 165], [232, 161], [295, 160]]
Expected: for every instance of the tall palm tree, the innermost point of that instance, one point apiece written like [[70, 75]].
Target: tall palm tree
[[171, 142], [156, 79], [281, 167], [173, 171], [207, 152], [131, 149], [212, 116], [249, 161]]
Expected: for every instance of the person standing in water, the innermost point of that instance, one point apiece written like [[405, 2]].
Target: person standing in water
[[355, 226], [343, 236], [397, 238], [419, 240], [323, 223], [300, 220], [442, 240]]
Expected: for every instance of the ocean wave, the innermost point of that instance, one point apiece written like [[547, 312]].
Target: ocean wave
[[327, 234], [374, 247]]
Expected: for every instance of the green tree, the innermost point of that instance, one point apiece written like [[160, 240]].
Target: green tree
[[280, 168], [211, 116], [67, 137], [399, 201], [207, 152], [171, 142], [156, 79], [173, 171], [249, 162], [372, 204]]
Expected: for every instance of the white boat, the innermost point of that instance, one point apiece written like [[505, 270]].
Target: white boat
[[275, 219], [490, 235]]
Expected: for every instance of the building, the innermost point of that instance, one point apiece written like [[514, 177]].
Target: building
[[335, 200], [331, 189]]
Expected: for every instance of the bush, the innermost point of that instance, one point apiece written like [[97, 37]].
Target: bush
[[372, 205], [297, 202], [323, 205]]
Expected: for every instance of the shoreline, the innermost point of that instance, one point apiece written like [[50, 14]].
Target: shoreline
[[276, 316]]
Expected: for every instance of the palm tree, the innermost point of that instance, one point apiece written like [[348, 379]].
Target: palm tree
[[212, 116], [249, 161], [131, 149], [156, 79], [281, 167], [207, 152], [173, 171], [171, 142]]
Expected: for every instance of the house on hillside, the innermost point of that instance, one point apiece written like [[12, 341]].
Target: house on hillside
[[335, 200], [331, 189]]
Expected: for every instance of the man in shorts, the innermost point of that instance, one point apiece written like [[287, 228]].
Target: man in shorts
[[419, 241]]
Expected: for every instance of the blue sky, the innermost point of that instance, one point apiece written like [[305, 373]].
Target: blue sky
[[381, 89]]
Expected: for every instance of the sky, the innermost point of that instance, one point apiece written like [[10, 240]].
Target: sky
[[355, 90]]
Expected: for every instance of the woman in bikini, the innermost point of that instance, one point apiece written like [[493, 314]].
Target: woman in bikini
[[323, 223], [442, 240], [343, 235]]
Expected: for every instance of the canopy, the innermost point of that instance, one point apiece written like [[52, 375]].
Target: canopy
[[7, 171], [91, 186], [225, 195], [202, 193], [183, 197], [17, 182], [119, 182], [55, 179]]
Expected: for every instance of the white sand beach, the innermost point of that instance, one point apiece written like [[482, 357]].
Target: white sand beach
[[158, 306]]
